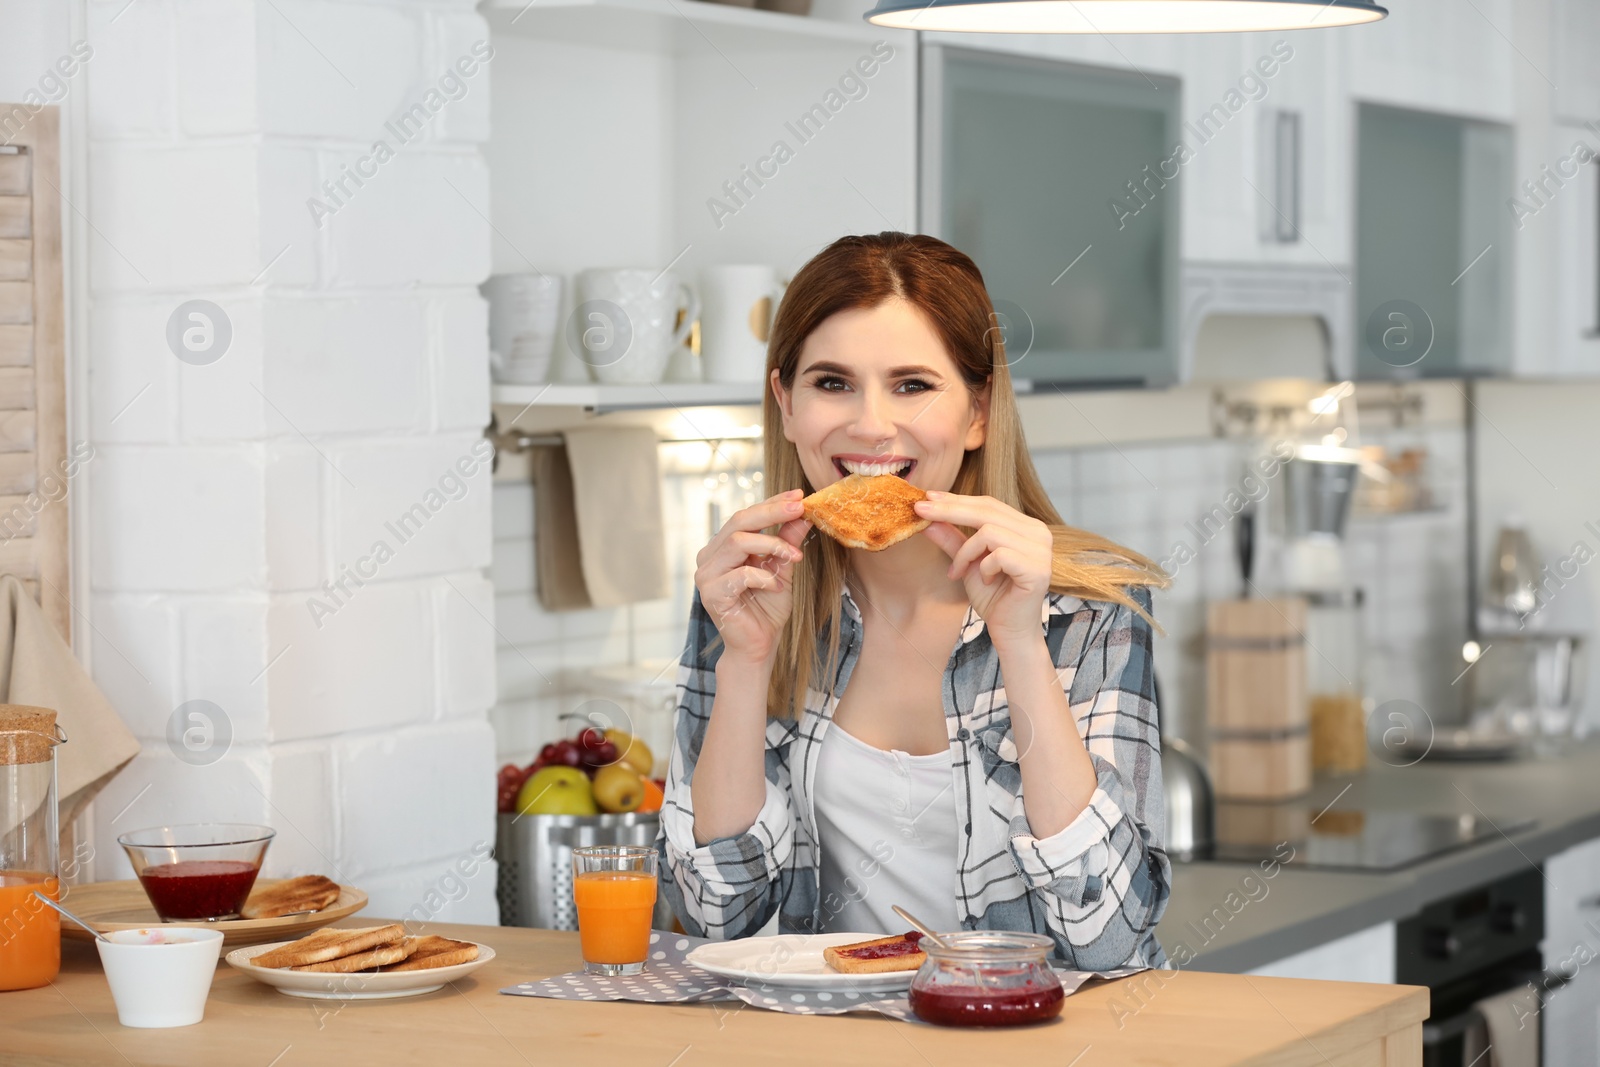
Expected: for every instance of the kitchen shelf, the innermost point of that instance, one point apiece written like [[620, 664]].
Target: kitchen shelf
[[670, 26], [602, 398]]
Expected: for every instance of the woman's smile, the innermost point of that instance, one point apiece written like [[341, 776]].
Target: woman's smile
[[854, 463]]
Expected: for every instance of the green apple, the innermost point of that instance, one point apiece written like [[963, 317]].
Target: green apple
[[557, 791]]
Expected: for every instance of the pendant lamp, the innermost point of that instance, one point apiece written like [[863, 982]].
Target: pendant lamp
[[1121, 16]]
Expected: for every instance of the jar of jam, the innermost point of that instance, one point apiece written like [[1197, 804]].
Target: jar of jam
[[986, 978]]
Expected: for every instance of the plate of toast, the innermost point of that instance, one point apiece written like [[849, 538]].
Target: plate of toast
[[277, 908], [840, 962], [365, 963]]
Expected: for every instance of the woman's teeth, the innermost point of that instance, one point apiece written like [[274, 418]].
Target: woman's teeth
[[873, 469]]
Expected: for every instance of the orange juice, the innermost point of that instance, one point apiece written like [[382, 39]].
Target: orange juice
[[614, 909], [30, 931]]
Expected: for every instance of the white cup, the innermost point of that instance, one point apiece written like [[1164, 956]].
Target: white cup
[[740, 302], [160, 983], [623, 324], [524, 312]]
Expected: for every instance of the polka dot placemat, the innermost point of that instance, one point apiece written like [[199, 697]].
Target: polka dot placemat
[[669, 979]]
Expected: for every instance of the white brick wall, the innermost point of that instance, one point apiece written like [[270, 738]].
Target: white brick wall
[[223, 496]]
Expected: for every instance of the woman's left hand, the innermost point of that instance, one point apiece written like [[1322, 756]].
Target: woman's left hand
[[1005, 564]]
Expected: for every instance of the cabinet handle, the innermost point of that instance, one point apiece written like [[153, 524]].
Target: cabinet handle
[[1590, 902]]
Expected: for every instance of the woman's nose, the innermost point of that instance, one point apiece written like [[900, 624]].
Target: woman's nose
[[872, 421]]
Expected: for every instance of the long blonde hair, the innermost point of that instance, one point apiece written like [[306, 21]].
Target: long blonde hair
[[947, 287]]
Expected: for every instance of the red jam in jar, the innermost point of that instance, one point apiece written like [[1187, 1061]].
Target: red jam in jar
[[986, 978], [953, 1005], [199, 889]]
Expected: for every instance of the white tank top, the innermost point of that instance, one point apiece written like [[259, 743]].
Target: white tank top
[[886, 823]]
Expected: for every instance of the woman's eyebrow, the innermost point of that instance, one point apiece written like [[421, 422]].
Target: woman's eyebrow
[[895, 371]]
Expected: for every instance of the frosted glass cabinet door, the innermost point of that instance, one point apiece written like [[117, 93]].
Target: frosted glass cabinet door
[[1433, 245], [1059, 181]]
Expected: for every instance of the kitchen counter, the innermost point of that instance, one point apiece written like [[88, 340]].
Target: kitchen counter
[[1305, 907], [1154, 1018]]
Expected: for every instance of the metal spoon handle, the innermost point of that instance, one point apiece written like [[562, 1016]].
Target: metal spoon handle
[[73, 917], [918, 925]]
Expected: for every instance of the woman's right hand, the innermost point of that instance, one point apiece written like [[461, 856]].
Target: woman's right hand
[[743, 575]]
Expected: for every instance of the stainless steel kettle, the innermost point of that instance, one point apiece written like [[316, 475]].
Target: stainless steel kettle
[[1190, 804]]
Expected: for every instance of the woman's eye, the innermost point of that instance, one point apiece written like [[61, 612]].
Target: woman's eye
[[828, 383]]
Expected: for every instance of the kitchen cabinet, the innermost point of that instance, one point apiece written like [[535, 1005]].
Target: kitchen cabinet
[[1364, 956], [1433, 244], [1079, 249], [1270, 179], [1575, 37], [1572, 936], [1440, 55], [1571, 1020], [1574, 225]]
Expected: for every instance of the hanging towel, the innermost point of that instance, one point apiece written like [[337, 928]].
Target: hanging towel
[[557, 564], [37, 668], [599, 538], [1513, 1030]]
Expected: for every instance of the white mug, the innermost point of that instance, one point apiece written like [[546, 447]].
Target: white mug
[[524, 311], [740, 303], [623, 324]]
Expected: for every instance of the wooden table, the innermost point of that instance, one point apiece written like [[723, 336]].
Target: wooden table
[[1192, 1019]]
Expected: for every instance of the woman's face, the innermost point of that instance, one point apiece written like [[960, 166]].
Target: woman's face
[[875, 392]]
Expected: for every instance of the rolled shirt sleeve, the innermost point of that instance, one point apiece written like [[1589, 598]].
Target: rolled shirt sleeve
[[727, 887], [1104, 879]]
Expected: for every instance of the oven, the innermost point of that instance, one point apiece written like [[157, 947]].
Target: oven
[[1475, 944]]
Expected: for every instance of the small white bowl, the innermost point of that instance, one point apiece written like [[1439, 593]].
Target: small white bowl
[[160, 977]]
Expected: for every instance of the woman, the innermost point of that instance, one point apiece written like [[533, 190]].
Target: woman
[[856, 729]]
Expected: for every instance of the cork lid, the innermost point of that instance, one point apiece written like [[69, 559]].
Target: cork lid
[[33, 747]]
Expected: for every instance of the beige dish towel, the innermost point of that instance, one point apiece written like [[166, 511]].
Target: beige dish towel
[[1513, 1026], [37, 668], [601, 537]]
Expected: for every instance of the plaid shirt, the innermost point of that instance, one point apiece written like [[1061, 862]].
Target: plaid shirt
[[1097, 887]]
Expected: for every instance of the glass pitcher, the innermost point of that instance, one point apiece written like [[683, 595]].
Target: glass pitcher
[[30, 930]]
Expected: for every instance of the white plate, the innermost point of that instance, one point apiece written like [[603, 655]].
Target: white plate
[[379, 986], [793, 961]]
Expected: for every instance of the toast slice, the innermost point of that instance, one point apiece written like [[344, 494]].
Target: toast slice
[[330, 944], [867, 511], [878, 956], [309, 892], [433, 951], [370, 960]]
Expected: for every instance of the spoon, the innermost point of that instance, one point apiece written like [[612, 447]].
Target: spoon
[[73, 917], [917, 924]]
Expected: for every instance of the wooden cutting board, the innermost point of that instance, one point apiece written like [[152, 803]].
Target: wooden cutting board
[[123, 906]]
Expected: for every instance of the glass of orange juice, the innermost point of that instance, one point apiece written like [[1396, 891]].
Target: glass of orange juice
[[614, 888]]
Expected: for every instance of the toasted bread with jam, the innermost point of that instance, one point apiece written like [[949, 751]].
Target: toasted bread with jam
[[902, 952]]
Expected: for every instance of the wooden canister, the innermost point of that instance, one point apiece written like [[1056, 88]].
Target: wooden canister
[[1257, 711]]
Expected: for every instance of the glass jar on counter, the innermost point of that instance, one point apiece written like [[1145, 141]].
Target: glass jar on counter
[[1335, 680], [986, 978]]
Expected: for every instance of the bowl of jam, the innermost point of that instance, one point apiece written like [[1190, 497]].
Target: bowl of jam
[[197, 871], [986, 978]]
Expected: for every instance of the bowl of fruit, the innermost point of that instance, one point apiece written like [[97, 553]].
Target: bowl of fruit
[[596, 772], [594, 788]]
